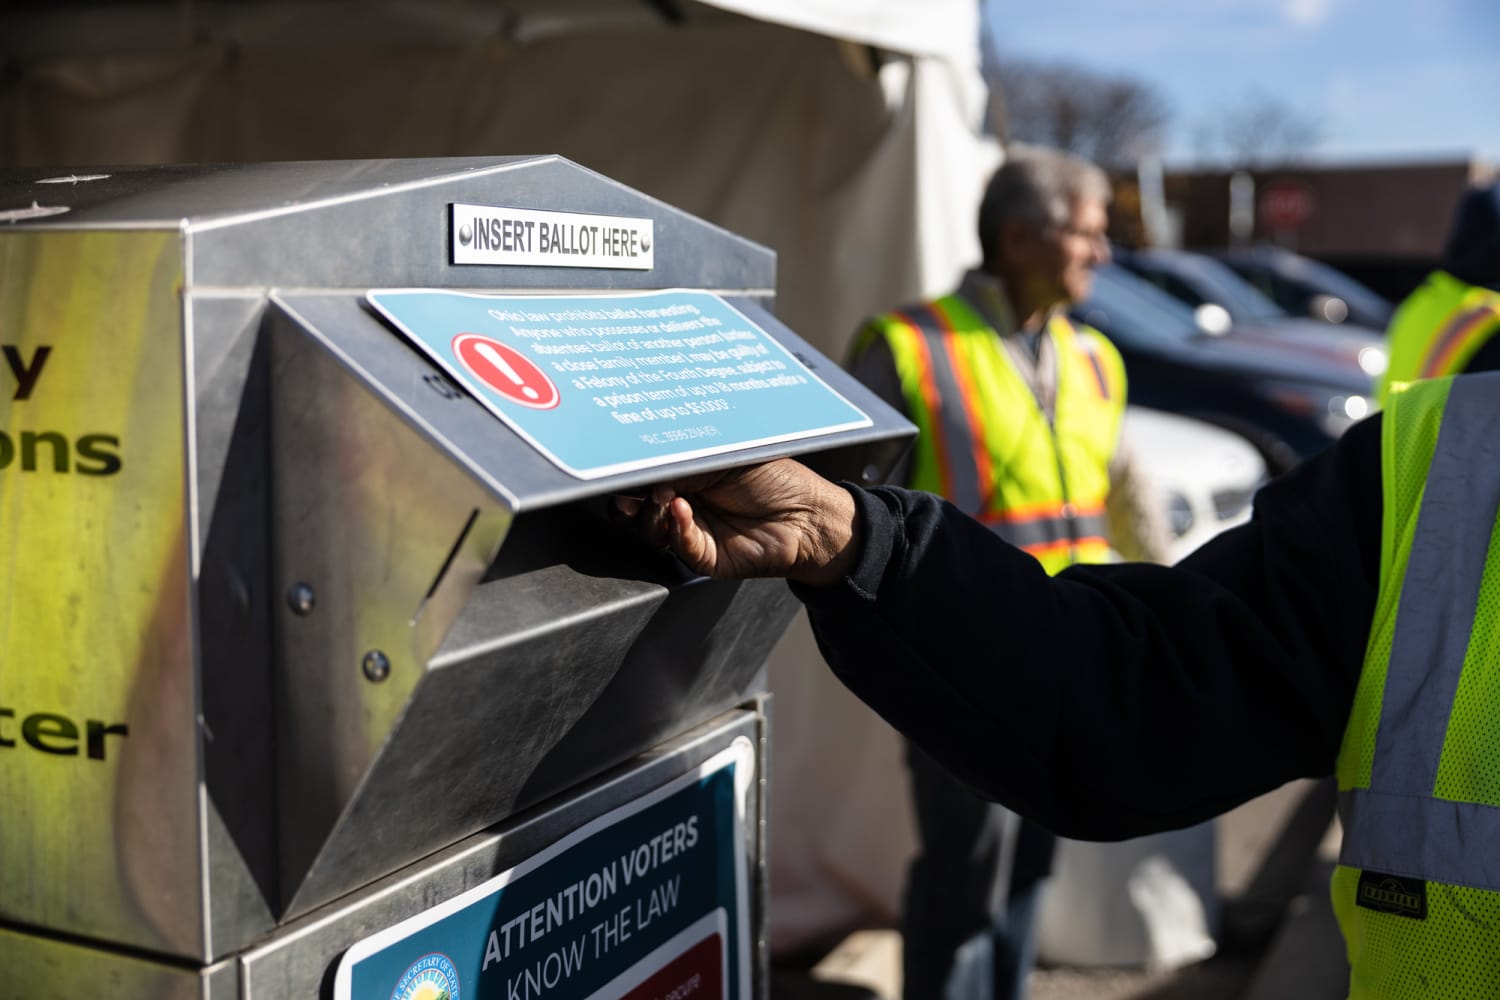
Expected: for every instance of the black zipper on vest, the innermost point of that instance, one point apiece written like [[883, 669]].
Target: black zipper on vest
[[1069, 512]]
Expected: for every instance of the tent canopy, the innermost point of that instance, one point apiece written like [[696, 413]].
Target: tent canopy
[[943, 28], [946, 28]]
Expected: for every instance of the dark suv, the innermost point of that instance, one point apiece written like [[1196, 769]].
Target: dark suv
[[1306, 287], [1289, 393]]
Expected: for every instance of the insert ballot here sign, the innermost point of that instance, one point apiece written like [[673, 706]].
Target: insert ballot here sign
[[609, 384], [648, 902]]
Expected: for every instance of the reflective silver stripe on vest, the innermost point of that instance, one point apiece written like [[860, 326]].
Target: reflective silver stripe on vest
[[1439, 596], [1440, 591], [968, 494], [1049, 530], [1427, 838]]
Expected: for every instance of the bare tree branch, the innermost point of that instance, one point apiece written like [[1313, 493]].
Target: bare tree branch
[[1111, 120], [1262, 131]]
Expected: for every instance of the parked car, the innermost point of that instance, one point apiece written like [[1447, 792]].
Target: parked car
[[1306, 287], [1203, 476], [1290, 395], [1220, 297], [1201, 281]]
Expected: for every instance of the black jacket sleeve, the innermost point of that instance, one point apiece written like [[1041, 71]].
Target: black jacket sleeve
[[1113, 701]]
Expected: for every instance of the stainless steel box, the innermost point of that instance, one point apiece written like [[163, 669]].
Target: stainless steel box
[[283, 610]]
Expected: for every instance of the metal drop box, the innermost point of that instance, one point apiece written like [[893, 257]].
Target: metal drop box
[[306, 629]]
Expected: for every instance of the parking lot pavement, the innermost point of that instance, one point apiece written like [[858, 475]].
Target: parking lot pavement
[[1278, 939]]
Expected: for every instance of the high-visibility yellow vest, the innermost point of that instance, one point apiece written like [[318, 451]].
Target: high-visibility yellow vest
[[1438, 328], [985, 444], [1417, 888]]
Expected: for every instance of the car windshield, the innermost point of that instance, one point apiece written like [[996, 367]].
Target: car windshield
[[1135, 313], [1333, 282], [1219, 283]]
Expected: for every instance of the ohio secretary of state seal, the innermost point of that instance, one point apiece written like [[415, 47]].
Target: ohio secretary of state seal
[[431, 977]]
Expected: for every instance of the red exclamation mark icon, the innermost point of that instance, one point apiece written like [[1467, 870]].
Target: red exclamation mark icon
[[487, 351], [506, 370]]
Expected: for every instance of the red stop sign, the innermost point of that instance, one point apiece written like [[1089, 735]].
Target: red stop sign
[[1286, 205], [505, 370]]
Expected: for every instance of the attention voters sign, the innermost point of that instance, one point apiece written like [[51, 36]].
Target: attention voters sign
[[608, 384], [644, 903]]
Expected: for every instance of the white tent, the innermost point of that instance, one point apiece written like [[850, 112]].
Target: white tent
[[947, 29], [841, 133], [854, 163]]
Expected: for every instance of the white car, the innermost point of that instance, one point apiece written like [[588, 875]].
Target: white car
[[1205, 475]]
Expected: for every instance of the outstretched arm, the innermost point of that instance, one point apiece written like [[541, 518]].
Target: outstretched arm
[[1106, 702]]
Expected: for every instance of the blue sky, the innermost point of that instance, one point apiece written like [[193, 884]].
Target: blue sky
[[1388, 80]]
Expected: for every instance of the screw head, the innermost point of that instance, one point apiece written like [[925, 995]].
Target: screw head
[[465, 235], [376, 665], [301, 599]]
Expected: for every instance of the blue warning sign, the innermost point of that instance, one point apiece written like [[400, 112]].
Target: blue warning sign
[[615, 383]]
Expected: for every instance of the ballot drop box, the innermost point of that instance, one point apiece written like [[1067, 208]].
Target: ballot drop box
[[325, 669]]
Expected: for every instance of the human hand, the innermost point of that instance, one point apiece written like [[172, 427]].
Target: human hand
[[775, 519]]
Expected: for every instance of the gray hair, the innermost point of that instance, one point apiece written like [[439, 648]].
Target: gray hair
[[1037, 186]]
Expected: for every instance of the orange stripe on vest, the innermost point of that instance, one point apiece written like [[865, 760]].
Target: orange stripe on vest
[[1042, 512], [934, 404], [969, 396], [1452, 339], [1063, 544]]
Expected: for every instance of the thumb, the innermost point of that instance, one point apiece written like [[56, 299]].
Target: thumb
[[693, 545]]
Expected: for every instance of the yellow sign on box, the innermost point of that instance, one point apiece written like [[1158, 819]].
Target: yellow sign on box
[[96, 685]]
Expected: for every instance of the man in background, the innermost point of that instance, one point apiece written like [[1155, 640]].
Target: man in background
[[1018, 413]]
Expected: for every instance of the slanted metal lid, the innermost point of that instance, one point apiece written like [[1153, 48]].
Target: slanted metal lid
[[596, 393]]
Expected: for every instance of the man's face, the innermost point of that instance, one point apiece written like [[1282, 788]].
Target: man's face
[[1057, 264]]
